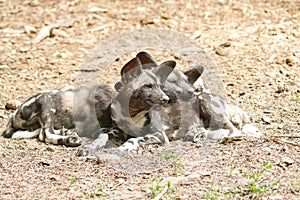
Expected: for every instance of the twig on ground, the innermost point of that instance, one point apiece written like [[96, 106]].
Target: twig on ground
[[285, 142], [297, 135]]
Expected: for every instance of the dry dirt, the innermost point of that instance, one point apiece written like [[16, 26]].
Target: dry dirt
[[256, 46]]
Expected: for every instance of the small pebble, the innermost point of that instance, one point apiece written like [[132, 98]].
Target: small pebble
[[12, 105], [282, 70], [292, 60], [286, 109], [221, 51], [266, 119], [4, 67], [281, 88], [24, 49], [280, 126], [287, 160]]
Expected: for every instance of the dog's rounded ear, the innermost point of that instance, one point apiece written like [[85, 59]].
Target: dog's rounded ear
[[164, 70], [194, 73], [118, 86], [131, 69], [146, 60]]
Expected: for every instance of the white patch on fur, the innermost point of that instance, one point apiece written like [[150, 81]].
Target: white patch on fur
[[50, 91], [25, 134], [29, 102], [68, 100], [166, 139], [116, 107], [138, 120], [68, 88], [131, 144], [53, 138]]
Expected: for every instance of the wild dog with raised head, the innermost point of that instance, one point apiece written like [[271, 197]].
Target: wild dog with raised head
[[169, 120], [136, 107], [51, 114]]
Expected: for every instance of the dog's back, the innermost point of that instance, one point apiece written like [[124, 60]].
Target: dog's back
[[68, 108]]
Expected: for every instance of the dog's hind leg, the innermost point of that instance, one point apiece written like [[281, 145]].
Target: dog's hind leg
[[48, 135], [67, 140], [47, 132]]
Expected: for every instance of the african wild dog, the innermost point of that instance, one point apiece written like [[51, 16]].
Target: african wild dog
[[166, 121], [181, 115], [214, 111], [138, 92], [201, 113], [52, 114], [135, 109], [221, 118], [224, 119]]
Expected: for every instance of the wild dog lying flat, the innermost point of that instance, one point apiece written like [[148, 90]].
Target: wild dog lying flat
[[221, 118], [49, 113]]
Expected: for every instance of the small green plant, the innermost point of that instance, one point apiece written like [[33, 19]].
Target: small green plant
[[212, 193], [232, 170], [96, 193], [178, 167], [296, 97], [167, 155], [73, 180], [254, 187], [173, 156], [156, 188]]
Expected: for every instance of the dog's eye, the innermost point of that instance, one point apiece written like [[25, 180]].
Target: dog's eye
[[149, 85]]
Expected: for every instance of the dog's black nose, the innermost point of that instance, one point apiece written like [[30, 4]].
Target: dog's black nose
[[165, 99]]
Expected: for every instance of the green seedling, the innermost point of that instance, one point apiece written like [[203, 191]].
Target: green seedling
[[167, 155], [212, 193], [73, 180], [157, 188], [178, 167], [296, 97], [254, 187], [96, 193]]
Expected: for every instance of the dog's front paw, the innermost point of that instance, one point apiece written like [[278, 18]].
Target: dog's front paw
[[73, 141]]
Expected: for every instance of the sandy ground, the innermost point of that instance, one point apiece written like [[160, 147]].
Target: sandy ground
[[256, 48]]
